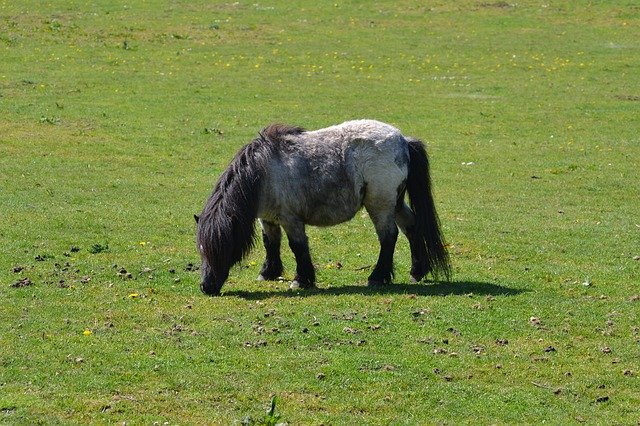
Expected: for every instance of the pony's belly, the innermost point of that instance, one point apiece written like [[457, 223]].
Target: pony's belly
[[330, 216], [318, 214], [330, 207]]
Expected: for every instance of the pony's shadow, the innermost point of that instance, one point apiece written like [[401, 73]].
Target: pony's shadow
[[426, 289]]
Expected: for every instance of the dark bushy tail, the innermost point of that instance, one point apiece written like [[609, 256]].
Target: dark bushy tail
[[427, 225]]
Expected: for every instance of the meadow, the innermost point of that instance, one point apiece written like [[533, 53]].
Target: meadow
[[117, 117]]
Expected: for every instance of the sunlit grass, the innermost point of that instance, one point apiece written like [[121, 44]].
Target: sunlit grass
[[117, 118]]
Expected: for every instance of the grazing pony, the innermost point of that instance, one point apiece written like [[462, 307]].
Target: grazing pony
[[288, 178]]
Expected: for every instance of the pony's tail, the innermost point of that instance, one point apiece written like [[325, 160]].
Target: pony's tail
[[226, 227], [427, 226]]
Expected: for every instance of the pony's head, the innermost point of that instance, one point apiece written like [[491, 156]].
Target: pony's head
[[226, 231]]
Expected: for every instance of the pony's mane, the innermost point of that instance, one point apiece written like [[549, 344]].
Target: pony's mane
[[275, 133]]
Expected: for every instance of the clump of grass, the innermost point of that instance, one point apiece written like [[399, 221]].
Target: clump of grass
[[269, 419], [50, 120], [98, 248]]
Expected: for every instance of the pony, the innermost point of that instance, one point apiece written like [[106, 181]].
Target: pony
[[288, 178]]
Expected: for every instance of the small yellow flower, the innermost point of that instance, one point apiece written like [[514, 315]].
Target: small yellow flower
[[87, 332], [134, 295]]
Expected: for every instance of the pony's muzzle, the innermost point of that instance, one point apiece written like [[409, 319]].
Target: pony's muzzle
[[212, 281], [210, 285], [209, 289]]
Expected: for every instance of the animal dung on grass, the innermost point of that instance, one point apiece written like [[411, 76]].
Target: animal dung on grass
[[287, 178], [24, 282]]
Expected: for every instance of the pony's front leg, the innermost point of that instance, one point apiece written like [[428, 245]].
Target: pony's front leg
[[387, 232], [299, 244], [271, 237]]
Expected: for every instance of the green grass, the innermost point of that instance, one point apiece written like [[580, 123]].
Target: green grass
[[117, 117]]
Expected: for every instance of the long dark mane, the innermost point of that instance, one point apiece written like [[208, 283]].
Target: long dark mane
[[226, 226]]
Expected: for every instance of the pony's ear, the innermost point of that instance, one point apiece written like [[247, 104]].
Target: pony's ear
[[195, 216]]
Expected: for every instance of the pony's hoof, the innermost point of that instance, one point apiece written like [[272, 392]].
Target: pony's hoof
[[376, 284], [260, 278], [297, 285]]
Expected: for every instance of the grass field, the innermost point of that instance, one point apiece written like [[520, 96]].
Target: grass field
[[116, 118]]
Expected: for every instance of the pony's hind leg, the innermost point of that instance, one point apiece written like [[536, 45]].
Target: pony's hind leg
[[419, 261], [299, 244], [271, 237], [387, 232]]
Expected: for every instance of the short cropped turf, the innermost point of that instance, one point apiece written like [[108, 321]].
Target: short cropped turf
[[116, 119]]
